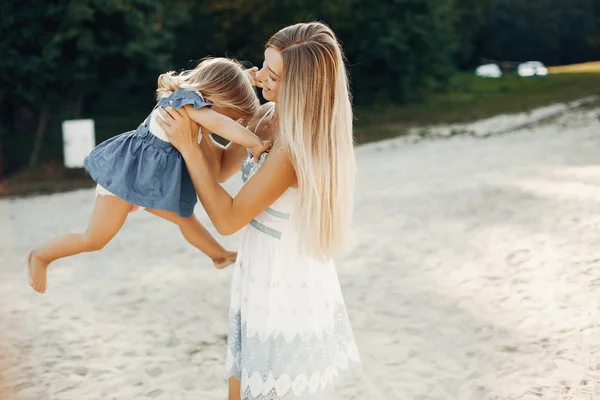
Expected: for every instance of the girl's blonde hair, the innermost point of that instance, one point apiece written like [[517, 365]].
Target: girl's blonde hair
[[221, 81], [315, 116]]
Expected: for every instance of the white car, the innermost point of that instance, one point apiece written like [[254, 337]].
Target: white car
[[532, 68], [488, 71]]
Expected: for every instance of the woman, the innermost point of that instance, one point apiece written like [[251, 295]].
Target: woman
[[289, 333]]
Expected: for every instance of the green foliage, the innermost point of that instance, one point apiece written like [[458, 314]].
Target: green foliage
[[57, 53], [552, 31], [55, 47], [100, 58], [398, 50]]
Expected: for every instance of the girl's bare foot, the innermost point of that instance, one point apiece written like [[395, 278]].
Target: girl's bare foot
[[36, 272], [226, 260]]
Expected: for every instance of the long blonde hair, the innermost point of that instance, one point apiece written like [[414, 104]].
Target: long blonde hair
[[315, 116], [221, 81]]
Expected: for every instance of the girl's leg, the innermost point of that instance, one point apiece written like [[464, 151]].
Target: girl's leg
[[110, 212], [199, 237], [234, 389]]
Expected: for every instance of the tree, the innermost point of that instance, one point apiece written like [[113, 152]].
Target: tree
[[58, 51], [552, 31], [397, 49]]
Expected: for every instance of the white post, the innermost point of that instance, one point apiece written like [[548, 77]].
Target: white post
[[79, 140]]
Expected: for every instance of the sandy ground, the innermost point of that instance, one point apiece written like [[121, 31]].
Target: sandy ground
[[475, 274]]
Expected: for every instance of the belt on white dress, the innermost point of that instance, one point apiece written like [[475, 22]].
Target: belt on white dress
[[267, 230]]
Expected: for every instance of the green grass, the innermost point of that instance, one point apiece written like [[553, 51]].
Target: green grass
[[470, 98]]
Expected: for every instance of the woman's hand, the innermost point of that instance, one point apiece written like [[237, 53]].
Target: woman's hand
[[251, 72], [179, 127]]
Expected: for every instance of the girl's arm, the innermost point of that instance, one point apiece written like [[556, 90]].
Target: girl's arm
[[227, 128], [231, 156], [225, 161], [262, 189]]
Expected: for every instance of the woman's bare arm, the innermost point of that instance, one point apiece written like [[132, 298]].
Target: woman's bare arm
[[224, 161], [227, 213]]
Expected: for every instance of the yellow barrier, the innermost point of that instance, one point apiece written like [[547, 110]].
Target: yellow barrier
[[589, 67]]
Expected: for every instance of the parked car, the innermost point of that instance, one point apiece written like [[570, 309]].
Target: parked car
[[488, 71], [532, 68]]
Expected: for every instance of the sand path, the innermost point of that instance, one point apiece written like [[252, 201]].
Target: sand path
[[475, 274]]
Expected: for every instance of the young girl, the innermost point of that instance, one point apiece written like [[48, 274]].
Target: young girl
[[141, 169]]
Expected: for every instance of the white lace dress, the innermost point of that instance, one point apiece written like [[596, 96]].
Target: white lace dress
[[289, 333]]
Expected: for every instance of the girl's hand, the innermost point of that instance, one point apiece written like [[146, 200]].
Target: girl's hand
[[181, 130], [251, 72], [259, 149]]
